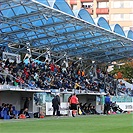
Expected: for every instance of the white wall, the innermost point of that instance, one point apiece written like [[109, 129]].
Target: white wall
[[11, 98], [127, 106]]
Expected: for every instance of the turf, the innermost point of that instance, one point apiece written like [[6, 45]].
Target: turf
[[122, 123]]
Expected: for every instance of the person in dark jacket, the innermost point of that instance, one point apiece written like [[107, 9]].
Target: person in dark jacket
[[26, 103], [55, 105]]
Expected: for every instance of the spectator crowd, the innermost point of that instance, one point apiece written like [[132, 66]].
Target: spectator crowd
[[47, 75]]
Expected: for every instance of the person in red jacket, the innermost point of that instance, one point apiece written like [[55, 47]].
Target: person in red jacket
[[74, 102]]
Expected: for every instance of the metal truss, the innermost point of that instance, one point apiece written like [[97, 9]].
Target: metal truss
[[45, 27]]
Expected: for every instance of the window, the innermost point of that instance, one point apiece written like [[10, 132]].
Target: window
[[122, 4], [87, 5], [116, 4], [103, 4], [128, 4], [74, 7], [121, 17]]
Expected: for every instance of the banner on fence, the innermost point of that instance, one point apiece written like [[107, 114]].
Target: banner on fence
[[63, 108]]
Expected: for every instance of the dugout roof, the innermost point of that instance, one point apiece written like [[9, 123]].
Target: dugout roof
[[51, 24]]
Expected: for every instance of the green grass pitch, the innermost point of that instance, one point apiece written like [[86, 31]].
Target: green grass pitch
[[121, 123]]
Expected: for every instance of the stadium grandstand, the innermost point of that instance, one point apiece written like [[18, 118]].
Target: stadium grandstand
[[47, 47]]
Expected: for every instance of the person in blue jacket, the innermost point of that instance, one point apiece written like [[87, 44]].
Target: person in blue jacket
[[107, 104]]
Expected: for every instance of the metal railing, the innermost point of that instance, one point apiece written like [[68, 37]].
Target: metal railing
[[11, 86]]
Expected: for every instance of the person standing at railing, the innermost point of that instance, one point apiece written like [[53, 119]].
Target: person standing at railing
[[19, 81]]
